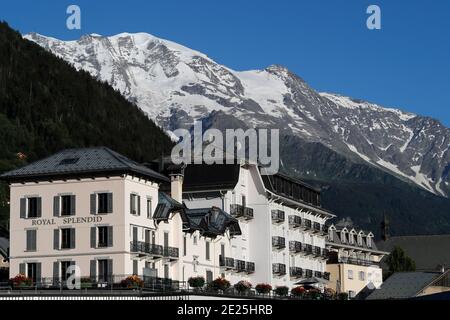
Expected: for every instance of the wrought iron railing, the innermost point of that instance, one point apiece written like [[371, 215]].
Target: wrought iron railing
[[238, 211], [295, 221], [279, 268], [278, 216], [278, 242]]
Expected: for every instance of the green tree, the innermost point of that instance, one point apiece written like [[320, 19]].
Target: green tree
[[398, 261]]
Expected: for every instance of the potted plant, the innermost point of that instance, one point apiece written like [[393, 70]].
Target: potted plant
[[263, 288], [21, 281], [243, 286], [314, 294], [132, 282], [220, 284], [281, 291], [86, 283], [196, 282], [298, 292]]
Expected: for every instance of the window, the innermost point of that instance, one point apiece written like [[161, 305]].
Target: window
[[369, 241], [135, 204], [166, 271], [149, 208], [184, 246], [244, 201], [102, 237], [350, 274], [68, 238], [64, 268], [207, 250], [195, 240], [32, 270], [104, 271], [33, 207], [31, 240], [362, 276], [209, 276], [67, 204], [68, 161], [103, 203]]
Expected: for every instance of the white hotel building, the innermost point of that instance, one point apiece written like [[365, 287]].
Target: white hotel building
[[112, 218]]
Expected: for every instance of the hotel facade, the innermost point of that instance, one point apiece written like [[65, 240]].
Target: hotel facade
[[111, 217]]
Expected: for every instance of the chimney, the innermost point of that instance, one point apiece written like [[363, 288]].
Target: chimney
[[176, 186]]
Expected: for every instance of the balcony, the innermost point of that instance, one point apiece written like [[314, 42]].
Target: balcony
[[250, 267], [358, 262], [171, 253], [295, 247], [278, 243], [278, 216], [239, 266], [307, 224], [326, 276], [317, 227], [296, 272], [317, 251], [318, 274], [295, 222], [226, 263], [279, 269], [307, 249], [308, 273], [144, 249], [241, 212]]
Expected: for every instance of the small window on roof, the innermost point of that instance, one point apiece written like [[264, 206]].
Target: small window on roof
[[68, 161]]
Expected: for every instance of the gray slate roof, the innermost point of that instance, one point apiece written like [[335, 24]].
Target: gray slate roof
[[428, 252], [404, 285], [211, 222], [78, 162], [337, 240]]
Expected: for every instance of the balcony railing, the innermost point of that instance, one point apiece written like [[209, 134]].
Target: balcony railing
[[171, 253], [317, 251], [227, 263], [307, 249], [239, 265], [317, 227], [241, 212], [296, 272], [326, 276], [308, 273], [278, 216], [358, 262], [279, 269], [295, 246], [318, 274], [295, 222], [278, 242], [307, 224], [147, 248], [250, 267]]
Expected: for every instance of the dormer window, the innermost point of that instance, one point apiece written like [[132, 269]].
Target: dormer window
[[369, 241]]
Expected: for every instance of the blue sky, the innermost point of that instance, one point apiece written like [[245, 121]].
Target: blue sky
[[406, 64]]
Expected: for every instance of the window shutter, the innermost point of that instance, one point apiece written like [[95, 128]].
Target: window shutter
[[72, 205], [23, 208], [55, 271], [93, 271], [110, 269], [33, 240], [110, 202], [56, 239], [132, 203], [93, 203], [38, 272], [110, 236], [56, 210], [39, 207], [72, 238], [28, 247], [139, 205], [22, 268], [93, 237]]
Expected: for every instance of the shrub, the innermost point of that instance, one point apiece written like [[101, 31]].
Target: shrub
[[243, 286], [132, 282], [298, 291], [263, 288], [329, 294], [196, 282], [20, 280], [220, 284], [281, 291], [314, 294]]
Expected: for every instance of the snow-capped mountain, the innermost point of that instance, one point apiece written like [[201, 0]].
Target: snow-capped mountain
[[175, 85]]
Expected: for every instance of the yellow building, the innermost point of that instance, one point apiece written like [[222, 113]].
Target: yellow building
[[353, 261]]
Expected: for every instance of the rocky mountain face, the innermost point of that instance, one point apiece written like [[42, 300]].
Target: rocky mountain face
[[175, 86]]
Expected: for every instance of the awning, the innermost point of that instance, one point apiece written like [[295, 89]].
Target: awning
[[312, 280]]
